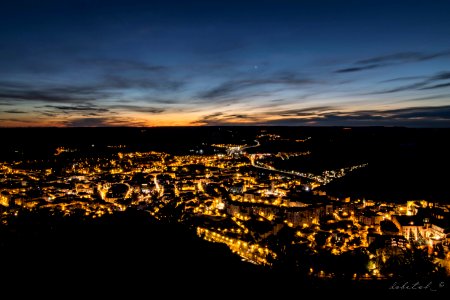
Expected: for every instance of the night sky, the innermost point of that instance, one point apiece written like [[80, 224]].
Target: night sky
[[153, 63]]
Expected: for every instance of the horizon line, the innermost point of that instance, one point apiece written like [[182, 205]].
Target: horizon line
[[224, 125]]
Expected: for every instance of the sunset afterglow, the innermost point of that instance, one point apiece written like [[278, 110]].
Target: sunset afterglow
[[164, 63]]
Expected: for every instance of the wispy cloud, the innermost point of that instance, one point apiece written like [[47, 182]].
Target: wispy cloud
[[436, 86], [219, 118], [234, 87], [14, 111], [127, 82], [136, 108], [391, 59], [360, 68], [103, 122], [110, 79], [109, 87], [403, 57], [212, 116], [16, 120], [407, 78], [428, 83], [91, 110], [426, 98], [84, 109], [72, 108], [11, 92], [124, 65], [303, 111], [422, 116]]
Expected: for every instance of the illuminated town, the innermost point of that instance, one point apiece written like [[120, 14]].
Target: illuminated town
[[224, 149], [228, 195]]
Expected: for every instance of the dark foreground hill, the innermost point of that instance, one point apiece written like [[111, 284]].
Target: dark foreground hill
[[129, 253]]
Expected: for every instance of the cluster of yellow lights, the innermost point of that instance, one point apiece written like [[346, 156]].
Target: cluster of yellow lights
[[250, 251]]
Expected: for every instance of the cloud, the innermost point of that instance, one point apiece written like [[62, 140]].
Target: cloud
[[135, 108], [431, 97], [88, 122], [412, 116], [428, 83], [436, 86], [83, 107], [441, 76], [239, 116], [132, 81], [403, 57], [124, 65], [233, 87], [103, 122], [212, 116], [109, 87], [91, 110], [14, 111], [219, 118], [11, 92], [164, 101], [15, 120], [422, 116], [407, 78], [43, 96], [440, 112], [356, 69], [103, 80], [303, 111], [391, 59], [124, 74]]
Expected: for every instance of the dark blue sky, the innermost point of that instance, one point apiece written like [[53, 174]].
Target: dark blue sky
[[149, 63]]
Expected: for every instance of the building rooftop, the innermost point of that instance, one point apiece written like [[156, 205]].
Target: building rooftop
[[409, 220]]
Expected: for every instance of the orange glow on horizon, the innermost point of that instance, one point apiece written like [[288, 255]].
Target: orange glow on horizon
[[239, 114]]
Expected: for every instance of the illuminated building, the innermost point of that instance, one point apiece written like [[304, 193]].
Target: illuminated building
[[370, 218], [5, 198], [411, 227]]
